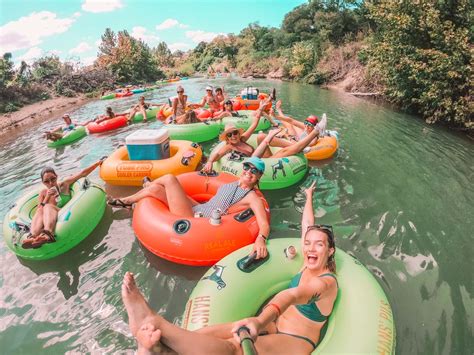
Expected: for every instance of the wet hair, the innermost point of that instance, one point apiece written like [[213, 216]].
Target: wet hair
[[109, 109], [47, 169], [218, 89], [191, 117]]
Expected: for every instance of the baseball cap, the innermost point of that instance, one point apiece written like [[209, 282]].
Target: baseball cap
[[256, 162]]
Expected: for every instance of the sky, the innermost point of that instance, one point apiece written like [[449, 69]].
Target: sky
[[72, 29]]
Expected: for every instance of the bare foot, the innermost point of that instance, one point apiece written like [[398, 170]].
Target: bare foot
[[136, 306], [148, 337], [278, 105]]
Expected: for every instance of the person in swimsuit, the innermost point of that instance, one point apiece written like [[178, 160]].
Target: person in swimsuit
[[236, 139], [61, 131], [227, 111], [109, 114], [210, 100], [220, 96], [141, 107], [292, 321], [238, 195], [50, 201], [178, 105]]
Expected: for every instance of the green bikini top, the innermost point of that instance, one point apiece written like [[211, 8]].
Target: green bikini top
[[64, 199], [310, 310]]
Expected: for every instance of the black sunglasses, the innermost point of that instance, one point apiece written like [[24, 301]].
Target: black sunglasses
[[252, 169], [233, 133], [180, 92], [324, 227]]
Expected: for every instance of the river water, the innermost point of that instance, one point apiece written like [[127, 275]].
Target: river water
[[399, 193]]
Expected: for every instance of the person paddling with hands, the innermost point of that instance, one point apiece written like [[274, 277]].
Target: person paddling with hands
[[292, 321], [50, 200]]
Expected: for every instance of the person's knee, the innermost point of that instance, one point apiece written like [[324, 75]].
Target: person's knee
[[261, 137], [168, 179]]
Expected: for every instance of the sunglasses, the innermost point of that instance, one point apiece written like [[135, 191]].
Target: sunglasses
[[228, 103], [233, 133], [52, 180], [324, 227], [252, 169], [180, 92], [307, 123]]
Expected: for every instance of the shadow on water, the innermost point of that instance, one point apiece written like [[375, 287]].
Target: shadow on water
[[67, 265]]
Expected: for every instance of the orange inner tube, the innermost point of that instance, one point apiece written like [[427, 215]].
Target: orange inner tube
[[202, 243]]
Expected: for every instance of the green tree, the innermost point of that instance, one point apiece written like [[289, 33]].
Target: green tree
[[6, 69], [424, 55]]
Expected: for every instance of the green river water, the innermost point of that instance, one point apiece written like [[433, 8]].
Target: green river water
[[399, 193]]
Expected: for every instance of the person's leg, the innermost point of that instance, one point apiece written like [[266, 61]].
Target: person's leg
[[132, 114], [50, 217], [262, 148], [167, 189], [181, 119], [149, 328], [37, 223], [143, 112], [296, 147]]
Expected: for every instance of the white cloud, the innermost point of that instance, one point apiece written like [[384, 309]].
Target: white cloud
[[170, 23], [81, 48], [76, 14], [201, 36], [88, 60], [140, 32], [101, 5], [178, 46], [28, 31], [32, 54]]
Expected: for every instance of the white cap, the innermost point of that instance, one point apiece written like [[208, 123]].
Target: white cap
[[208, 88]]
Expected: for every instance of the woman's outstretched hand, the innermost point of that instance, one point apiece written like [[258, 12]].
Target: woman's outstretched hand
[[309, 191]]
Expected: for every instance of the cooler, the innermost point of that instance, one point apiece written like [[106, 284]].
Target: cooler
[[148, 144]]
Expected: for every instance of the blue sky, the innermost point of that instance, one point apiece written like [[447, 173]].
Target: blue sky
[[72, 28]]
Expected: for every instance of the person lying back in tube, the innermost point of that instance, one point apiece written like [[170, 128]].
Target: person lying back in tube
[[239, 194]]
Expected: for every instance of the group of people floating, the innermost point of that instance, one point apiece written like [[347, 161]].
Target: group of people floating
[[292, 319]]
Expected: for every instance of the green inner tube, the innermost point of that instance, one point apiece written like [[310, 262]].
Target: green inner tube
[[76, 220], [77, 133], [244, 120], [108, 97], [150, 114], [361, 321], [195, 132], [279, 172]]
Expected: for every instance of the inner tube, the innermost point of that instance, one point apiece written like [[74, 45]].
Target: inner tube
[[108, 96], [151, 113], [279, 172], [76, 220], [117, 169], [123, 94], [72, 136], [244, 120], [108, 125], [361, 321], [191, 240], [253, 105], [325, 147], [197, 132]]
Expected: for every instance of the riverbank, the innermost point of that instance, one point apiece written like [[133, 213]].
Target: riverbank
[[14, 123]]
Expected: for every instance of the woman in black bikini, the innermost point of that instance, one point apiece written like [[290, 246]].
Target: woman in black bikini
[[292, 320], [141, 107]]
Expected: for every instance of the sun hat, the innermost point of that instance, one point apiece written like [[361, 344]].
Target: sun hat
[[229, 127], [256, 162]]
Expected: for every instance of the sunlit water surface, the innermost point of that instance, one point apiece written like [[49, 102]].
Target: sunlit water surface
[[399, 193]]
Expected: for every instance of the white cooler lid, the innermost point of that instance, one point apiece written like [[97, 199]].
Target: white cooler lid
[[148, 136]]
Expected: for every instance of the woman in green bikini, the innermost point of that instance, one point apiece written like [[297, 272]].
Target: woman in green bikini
[[292, 320], [50, 201]]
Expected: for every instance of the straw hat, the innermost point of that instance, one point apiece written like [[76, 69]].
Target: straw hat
[[229, 127]]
